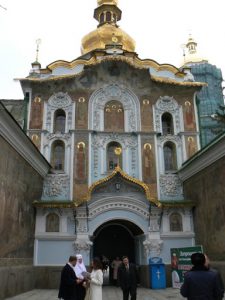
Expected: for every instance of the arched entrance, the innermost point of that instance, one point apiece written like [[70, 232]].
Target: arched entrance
[[116, 238]]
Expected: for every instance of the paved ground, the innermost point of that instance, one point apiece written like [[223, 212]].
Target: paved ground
[[109, 293]]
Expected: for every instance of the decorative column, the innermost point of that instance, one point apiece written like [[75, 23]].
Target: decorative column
[[153, 243]]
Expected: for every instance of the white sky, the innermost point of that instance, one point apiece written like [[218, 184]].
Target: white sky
[[158, 26]]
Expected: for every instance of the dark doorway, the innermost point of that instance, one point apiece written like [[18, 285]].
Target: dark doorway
[[116, 238]]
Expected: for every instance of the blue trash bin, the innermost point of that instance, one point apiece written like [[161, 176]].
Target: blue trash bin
[[157, 273]]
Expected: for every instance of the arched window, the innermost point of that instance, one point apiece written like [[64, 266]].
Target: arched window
[[108, 16], [114, 116], [114, 155], [170, 156], [52, 223], [167, 124], [58, 155], [102, 18], [59, 121], [176, 222]]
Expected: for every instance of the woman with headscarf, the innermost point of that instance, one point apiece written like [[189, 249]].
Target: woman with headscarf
[[81, 273]]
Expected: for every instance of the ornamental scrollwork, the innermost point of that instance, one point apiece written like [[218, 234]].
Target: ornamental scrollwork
[[60, 100], [152, 245], [170, 185], [81, 244], [55, 185], [166, 103]]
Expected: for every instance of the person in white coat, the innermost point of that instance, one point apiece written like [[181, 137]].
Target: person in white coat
[[96, 281]]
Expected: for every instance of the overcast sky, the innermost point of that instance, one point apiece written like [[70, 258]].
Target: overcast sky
[[159, 28]]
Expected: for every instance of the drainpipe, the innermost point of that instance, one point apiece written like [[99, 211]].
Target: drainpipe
[[199, 121], [25, 111]]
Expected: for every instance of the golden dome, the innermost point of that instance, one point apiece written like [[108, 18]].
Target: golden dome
[[112, 2], [105, 35]]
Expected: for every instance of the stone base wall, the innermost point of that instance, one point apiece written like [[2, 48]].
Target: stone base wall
[[15, 280], [207, 189]]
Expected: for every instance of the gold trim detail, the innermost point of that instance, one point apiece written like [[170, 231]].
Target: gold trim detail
[[174, 82], [125, 176], [131, 60]]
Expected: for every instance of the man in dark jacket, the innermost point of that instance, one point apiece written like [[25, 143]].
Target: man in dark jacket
[[207, 265], [69, 281], [200, 283], [128, 279]]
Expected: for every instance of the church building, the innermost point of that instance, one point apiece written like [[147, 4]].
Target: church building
[[115, 128]]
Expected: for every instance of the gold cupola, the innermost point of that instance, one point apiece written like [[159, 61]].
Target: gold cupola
[[108, 32]]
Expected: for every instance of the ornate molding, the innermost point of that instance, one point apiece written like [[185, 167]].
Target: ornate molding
[[58, 136], [170, 185], [119, 205], [170, 138], [56, 185], [129, 101], [167, 104], [152, 245], [126, 140], [60, 100], [82, 244]]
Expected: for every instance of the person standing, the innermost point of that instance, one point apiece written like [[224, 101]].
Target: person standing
[[128, 279], [200, 283], [115, 266], [80, 271], [207, 264], [69, 281], [94, 291]]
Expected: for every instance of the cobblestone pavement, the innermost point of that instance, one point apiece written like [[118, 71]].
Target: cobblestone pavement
[[109, 293]]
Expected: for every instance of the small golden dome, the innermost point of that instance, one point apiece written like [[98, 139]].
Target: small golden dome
[[105, 35], [112, 2]]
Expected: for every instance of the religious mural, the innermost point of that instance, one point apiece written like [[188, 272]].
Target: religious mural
[[191, 146], [189, 115], [36, 139], [114, 116], [80, 162], [36, 117], [148, 163], [146, 115], [81, 113]]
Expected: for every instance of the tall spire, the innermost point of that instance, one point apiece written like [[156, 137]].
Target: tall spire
[[36, 66]]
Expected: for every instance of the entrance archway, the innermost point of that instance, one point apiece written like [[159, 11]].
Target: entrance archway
[[116, 238]]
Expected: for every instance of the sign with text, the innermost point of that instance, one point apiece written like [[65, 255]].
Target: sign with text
[[181, 263]]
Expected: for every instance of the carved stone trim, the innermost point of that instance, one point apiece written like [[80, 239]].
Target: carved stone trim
[[152, 244], [126, 140], [56, 185], [111, 203], [82, 244], [167, 104], [60, 100], [170, 185], [129, 101]]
